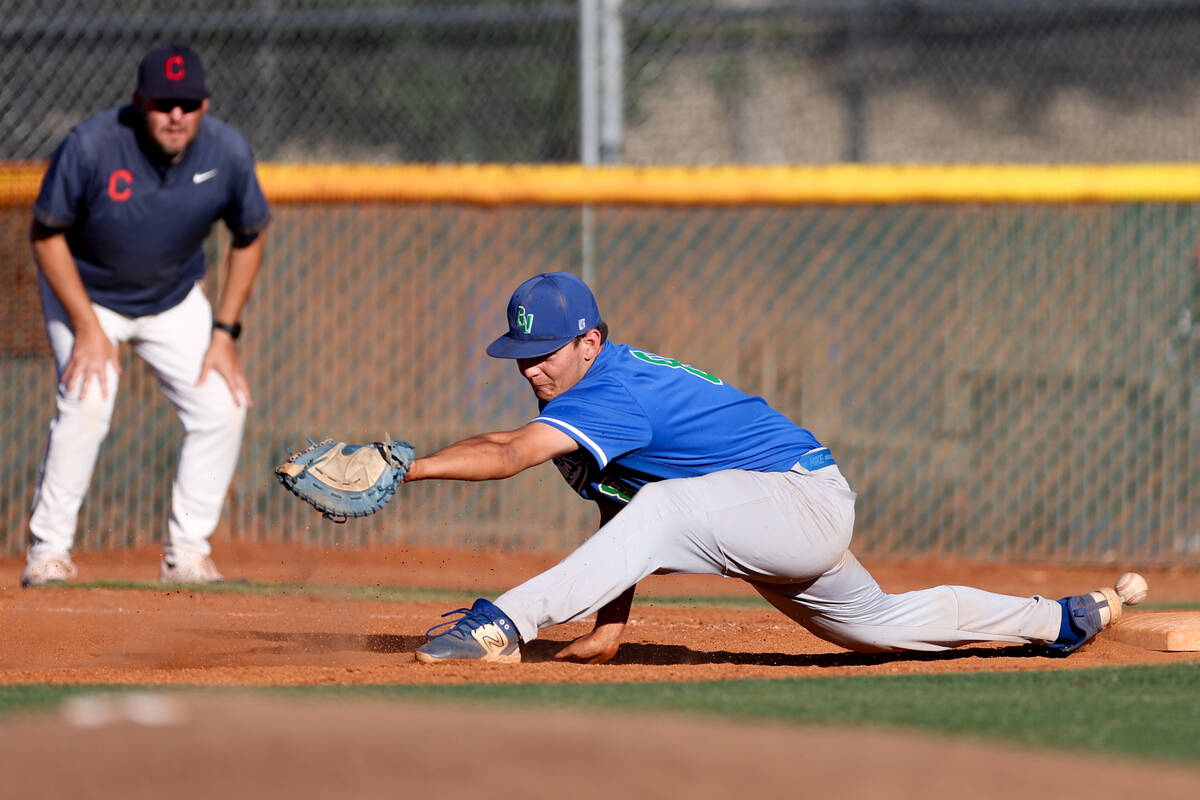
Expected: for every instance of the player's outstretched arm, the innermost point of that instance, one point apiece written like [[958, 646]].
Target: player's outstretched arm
[[348, 480], [491, 456]]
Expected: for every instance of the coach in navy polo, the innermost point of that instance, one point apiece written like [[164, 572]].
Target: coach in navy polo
[[118, 235]]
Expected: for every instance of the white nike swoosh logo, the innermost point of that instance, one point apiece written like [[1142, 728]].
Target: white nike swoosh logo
[[201, 177]]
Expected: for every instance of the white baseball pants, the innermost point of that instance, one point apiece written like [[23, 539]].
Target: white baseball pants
[[173, 344], [788, 534]]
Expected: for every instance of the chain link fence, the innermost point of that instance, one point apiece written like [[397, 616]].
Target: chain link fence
[[997, 381], [1002, 382], [740, 81]]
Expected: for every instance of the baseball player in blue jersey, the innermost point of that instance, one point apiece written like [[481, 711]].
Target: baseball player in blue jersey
[[118, 233], [693, 476]]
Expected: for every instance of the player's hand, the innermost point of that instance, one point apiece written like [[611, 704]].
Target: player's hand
[[91, 355], [597, 647], [222, 358]]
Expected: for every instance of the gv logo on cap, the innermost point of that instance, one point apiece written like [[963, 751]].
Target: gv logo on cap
[[524, 321]]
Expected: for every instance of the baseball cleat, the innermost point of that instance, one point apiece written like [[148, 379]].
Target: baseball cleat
[[48, 571], [182, 568], [484, 633], [1084, 616]]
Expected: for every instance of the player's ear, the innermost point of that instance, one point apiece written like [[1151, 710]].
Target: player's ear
[[592, 341], [204, 106]]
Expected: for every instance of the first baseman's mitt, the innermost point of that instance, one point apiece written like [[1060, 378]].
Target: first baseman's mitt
[[347, 480]]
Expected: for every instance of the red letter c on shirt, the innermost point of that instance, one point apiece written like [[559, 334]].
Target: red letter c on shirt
[[118, 185]]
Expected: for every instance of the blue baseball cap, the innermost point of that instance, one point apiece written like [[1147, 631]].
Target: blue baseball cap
[[544, 313]]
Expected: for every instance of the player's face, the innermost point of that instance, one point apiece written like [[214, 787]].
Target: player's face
[[551, 375], [173, 124]]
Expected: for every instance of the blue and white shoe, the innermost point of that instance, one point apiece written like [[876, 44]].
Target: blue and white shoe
[[484, 633], [1084, 616]]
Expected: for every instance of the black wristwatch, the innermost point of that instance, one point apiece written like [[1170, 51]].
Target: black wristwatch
[[234, 330]]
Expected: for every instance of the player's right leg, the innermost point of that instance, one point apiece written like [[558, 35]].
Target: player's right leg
[[79, 426], [847, 607]]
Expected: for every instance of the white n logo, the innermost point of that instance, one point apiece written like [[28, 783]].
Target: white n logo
[[491, 637]]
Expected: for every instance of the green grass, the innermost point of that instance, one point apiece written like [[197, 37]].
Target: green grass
[[1148, 712], [1151, 712]]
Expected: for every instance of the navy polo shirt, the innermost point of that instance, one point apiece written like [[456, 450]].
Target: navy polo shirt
[[137, 227]]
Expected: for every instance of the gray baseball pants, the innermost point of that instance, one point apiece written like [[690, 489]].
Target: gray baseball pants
[[788, 534]]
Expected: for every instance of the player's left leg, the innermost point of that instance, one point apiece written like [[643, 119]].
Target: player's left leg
[[733, 523], [173, 343]]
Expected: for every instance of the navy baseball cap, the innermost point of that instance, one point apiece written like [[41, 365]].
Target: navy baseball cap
[[544, 313], [172, 72]]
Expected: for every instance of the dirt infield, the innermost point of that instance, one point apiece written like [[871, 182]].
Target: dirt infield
[[202, 745], [173, 636]]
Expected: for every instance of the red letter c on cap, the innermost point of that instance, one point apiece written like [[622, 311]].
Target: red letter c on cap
[[174, 68], [118, 185]]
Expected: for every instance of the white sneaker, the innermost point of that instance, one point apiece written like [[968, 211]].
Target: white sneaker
[[188, 569], [43, 570]]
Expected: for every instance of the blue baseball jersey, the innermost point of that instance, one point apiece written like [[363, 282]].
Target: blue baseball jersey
[[135, 226], [639, 417]]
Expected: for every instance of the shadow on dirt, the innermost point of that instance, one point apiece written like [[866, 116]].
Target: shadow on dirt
[[666, 655], [543, 650]]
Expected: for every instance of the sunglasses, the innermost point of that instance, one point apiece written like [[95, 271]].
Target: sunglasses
[[167, 105]]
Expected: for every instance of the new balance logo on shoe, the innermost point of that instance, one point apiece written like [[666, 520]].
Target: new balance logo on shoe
[[491, 637]]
